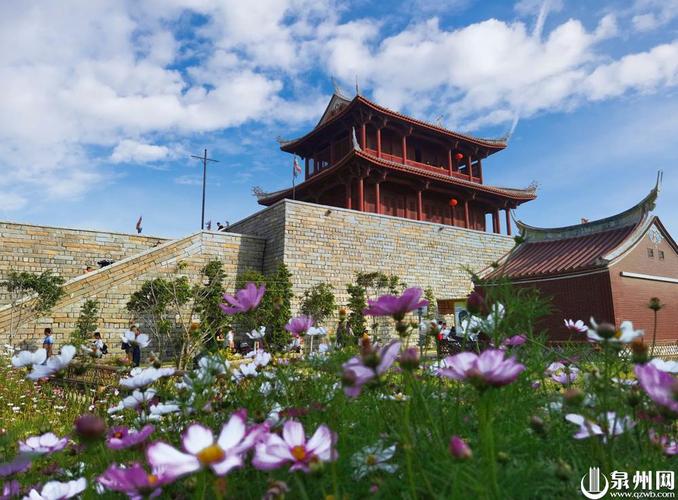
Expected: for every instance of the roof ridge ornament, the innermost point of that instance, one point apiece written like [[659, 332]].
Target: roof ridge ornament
[[356, 145]]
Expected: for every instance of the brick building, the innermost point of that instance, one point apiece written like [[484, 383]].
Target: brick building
[[608, 269]]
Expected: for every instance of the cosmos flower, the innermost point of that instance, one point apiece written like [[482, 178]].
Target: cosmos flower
[[473, 325], [257, 334], [10, 489], [514, 341], [459, 448], [275, 451], [246, 299], [316, 331], [667, 444], [135, 400], [562, 374], [130, 338], [487, 369], [19, 464], [259, 357], [122, 437], [142, 377], [576, 326], [658, 385], [158, 410], [54, 490], [28, 358], [373, 459], [360, 370], [42, 445], [604, 332], [665, 366], [202, 450], [245, 370], [134, 481], [54, 364], [396, 306], [614, 426], [299, 325]]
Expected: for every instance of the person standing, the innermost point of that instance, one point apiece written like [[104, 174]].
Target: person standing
[[230, 338], [136, 348], [48, 342]]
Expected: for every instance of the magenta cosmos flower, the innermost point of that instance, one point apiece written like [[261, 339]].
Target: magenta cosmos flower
[[658, 385], [42, 445], [299, 325], [360, 370], [134, 481], [392, 305], [488, 368], [514, 341], [19, 464], [202, 450], [275, 451], [122, 437], [245, 299], [459, 448]]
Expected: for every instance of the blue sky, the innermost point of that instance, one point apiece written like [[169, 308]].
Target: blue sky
[[103, 102]]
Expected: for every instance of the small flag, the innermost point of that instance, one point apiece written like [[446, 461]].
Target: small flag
[[296, 167], [139, 228]]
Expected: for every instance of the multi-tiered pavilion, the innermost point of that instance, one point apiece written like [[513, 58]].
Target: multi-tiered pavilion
[[366, 157]]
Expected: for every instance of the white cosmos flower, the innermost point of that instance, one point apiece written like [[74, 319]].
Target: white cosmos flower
[[624, 334], [245, 370], [576, 326], [665, 366], [615, 425], [28, 358], [54, 490], [54, 364], [142, 377], [130, 338], [157, 411], [260, 357], [138, 398], [257, 334], [213, 364], [314, 331], [373, 459]]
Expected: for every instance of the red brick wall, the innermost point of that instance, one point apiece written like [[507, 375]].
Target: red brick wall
[[574, 298], [631, 295]]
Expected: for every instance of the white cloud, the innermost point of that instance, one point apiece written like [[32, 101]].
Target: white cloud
[[652, 14], [130, 151], [11, 201]]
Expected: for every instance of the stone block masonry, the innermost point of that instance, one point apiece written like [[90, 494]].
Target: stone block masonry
[[328, 244]]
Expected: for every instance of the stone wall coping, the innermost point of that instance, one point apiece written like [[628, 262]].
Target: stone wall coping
[[80, 230], [369, 214]]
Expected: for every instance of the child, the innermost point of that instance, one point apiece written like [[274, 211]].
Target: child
[[48, 342], [99, 344]]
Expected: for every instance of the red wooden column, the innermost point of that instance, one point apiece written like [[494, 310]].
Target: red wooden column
[[449, 160], [480, 170], [306, 165], [496, 224], [361, 193], [467, 219], [404, 149], [377, 196], [378, 142], [508, 221], [470, 168], [348, 200], [363, 137], [420, 206]]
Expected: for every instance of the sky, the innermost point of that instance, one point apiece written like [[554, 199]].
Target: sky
[[102, 103]]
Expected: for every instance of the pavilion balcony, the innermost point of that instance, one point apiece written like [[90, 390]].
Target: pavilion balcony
[[438, 169]]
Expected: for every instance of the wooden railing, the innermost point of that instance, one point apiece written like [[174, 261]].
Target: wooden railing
[[438, 169]]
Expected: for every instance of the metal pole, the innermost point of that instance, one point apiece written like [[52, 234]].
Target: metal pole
[[204, 180]]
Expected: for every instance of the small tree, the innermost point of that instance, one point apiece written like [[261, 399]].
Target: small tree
[[30, 296], [318, 302], [87, 322], [357, 302], [208, 296], [278, 304], [432, 309]]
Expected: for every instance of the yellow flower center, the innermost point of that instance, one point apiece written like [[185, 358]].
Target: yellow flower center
[[617, 334], [211, 454], [299, 453], [117, 435], [152, 479], [371, 460]]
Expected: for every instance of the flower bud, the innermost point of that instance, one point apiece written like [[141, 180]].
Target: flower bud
[[573, 396], [459, 449], [606, 330], [475, 303], [655, 304], [409, 359], [503, 457], [342, 313], [538, 425], [402, 328], [90, 427], [639, 351], [563, 470], [634, 398]]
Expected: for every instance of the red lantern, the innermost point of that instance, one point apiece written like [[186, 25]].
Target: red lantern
[[453, 202], [458, 156]]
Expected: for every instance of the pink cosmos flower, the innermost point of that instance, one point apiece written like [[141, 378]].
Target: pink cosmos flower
[[122, 437], [576, 326], [562, 374], [668, 445], [19, 464], [613, 426], [360, 370], [42, 445], [459, 448], [202, 450], [658, 385], [392, 305], [514, 341], [245, 299], [299, 325], [488, 368], [134, 481], [275, 451], [10, 489]]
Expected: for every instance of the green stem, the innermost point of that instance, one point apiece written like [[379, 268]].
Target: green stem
[[408, 450], [489, 454], [302, 489]]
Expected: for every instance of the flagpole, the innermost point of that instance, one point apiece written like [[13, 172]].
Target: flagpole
[[294, 177]]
